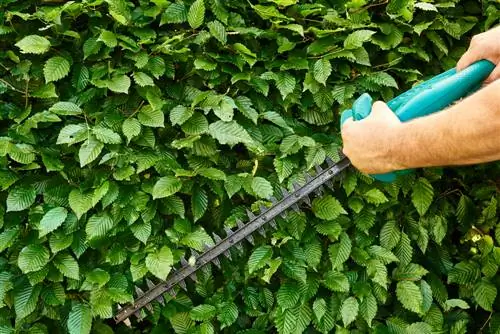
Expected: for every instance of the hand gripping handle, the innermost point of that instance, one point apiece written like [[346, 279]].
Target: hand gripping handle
[[426, 98]]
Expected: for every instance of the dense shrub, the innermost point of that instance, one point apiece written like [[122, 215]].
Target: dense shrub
[[133, 130]]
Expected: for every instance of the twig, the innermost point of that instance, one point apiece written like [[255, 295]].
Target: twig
[[486, 322], [26, 94], [11, 87], [370, 6], [137, 109]]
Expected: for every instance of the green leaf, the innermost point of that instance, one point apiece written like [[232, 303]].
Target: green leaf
[[67, 265], [80, 319], [166, 186], [228, 313], [52, 220], [422, 195], [357, 38], [79, 202], [451, 303], [90, 150], [340, 251], [72, 134], [322, 70], [142, 79], [262, 187], [66, 109], [131, 128], [141, 231], [285, 83], [218, 31], [181, 323], [336, 281], [390, 235], [203, 312], [368, 308], [199, 203], [7, 237], [196, 14], [327, 207], [25, 299], [106, 136], [160, 263], [175, 13], [349, 310], [180, 114], [98, 225], [151, 117], [230, 133], [465, 272], [55, 69], [33, 258], [33, 44], [259, 258], [409, 296], [108, 38], [288, 295], [319, 308], [375, 196], [284, 168], [119, 84], [485, 294], [20, 198]]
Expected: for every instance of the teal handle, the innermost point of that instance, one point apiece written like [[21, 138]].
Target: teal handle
[[426, 98]]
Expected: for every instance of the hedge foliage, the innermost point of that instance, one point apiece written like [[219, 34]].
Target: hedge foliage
[[133, 130]]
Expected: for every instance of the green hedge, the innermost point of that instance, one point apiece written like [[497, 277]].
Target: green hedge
[[133, 130]]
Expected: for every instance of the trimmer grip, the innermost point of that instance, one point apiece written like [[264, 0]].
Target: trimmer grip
[[426, 98]]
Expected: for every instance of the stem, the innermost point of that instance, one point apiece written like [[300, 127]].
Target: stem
[[137, 109], [486, 322], [26, 95], [11, 87], [372, 5]]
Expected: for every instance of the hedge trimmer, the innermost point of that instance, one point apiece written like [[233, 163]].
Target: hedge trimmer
[[426, 98]]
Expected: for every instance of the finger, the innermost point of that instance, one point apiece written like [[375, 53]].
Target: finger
[[381, 109], [468, 58], [493, 76], [347, 123]]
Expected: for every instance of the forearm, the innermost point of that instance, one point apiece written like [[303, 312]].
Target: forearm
[[466, 133]]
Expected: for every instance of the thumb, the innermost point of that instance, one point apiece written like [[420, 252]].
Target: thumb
[[471, 56], [381, 109], [494, 75]]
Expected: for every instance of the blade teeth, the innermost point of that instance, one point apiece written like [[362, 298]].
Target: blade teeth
[[239, 247], [273, 199], [250, 215], [284, 215], [194, 253], [183, 261], [250, 239], [273, 224], [296, 186], [329, 162], [296, 208], [285, 192], [182, 284], [138, 315], [319, 191], [126, 321], [216, 262], [161, 300], [217, 238], [240, 224], [138, 291], [329, 184], [149, 307], [309, 178], [318, 169], [229, 232], [263, 209], [194, 277], [307, 200], [228, 255], [206, 246], [172, 292], [262, 232]]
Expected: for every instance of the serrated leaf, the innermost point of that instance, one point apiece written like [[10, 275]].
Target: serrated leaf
[[175, 13], [196, 14], [56, 68], [409, 296], [90, 150], [485, 294], [160, 263], [80, 319], [52, 220], [33, 44], [33, 258], [203, 312], [67, 265], [151, 117], [141, 231], [230, 133], [368, 308], [142, 79], [228, 313], [244, 105], [287, 295], [20, 198], [322, 70], [465, 272], [262, 187], [166, 186], [180, 114], [25, 299], [259, 258], [199, 203], [131, 128], [349, 310], [106, 136], [390, 235], [336, 281], [340, 251], [65, 108], [98, 225], [108, 38], [357, 38], [72, 134], [119, 84], [284, 168], [422, 195], [79, 202], [327, 207], [218, 30]]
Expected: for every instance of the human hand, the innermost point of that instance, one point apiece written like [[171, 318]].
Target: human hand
[[371, 143], [483, 46]]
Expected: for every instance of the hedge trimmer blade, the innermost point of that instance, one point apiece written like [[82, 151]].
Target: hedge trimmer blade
[[233, 238]]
